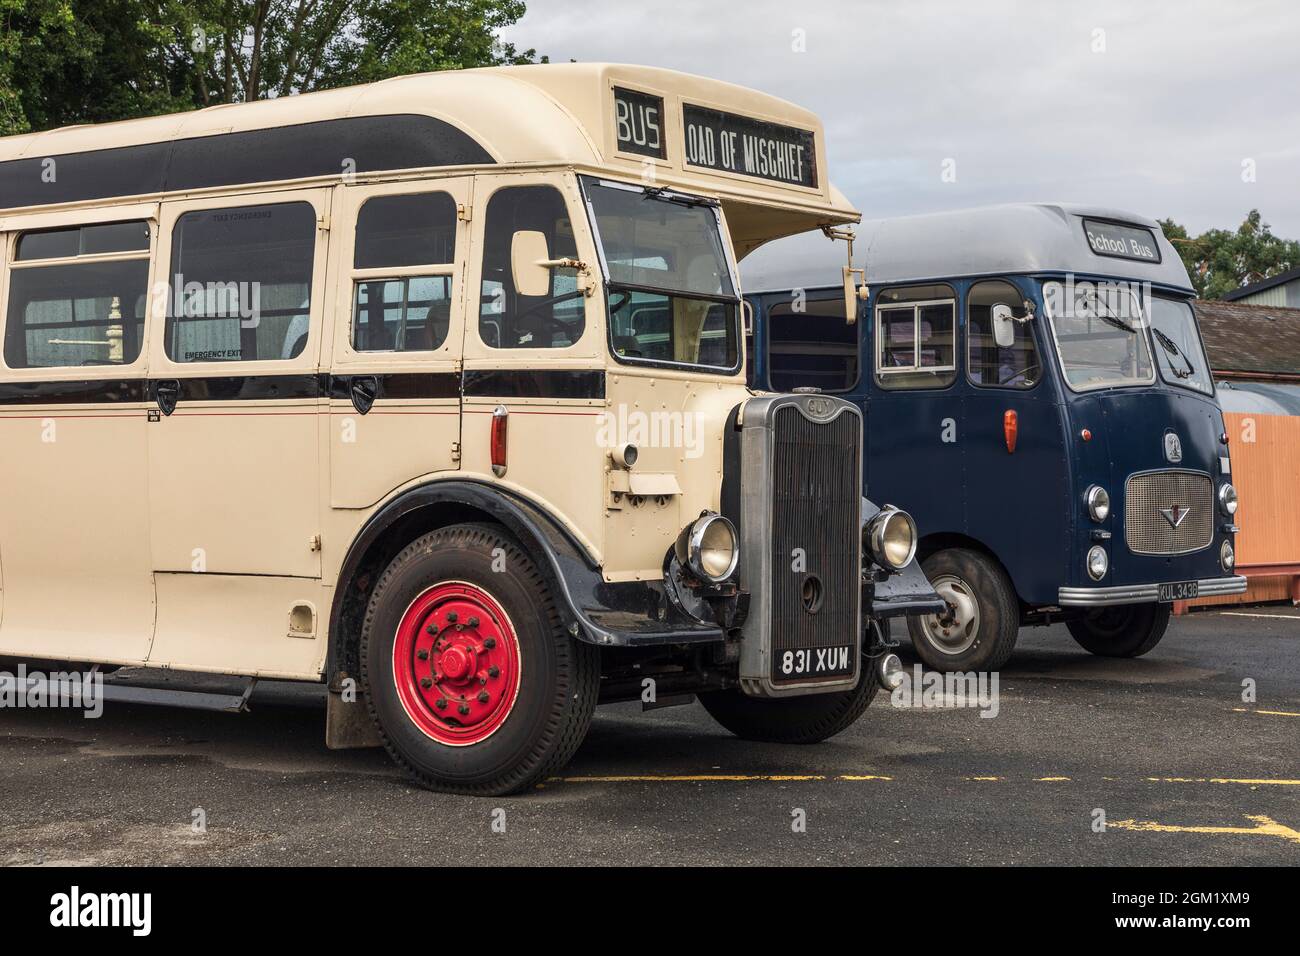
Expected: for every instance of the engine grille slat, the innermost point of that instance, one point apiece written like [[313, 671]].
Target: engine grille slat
[[1154, 506], [815, 507]]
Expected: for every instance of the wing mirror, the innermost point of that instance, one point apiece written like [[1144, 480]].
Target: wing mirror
[[529, 263], [1004, 326], [853, 292]]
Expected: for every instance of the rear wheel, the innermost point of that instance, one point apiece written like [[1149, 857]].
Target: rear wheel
[[978, 631], [468, 673], [1129, 630]]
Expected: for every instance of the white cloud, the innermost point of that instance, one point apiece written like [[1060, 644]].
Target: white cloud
[[1159, 123]]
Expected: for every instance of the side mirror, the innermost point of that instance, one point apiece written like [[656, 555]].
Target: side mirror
[[529, 263], [853, 293], [1004, 326]]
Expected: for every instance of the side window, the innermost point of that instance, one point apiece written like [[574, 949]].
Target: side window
[[241, 283], [71, 306], [509, 319], [1000, 351], [404, 313], [814, 347], [916, 337]]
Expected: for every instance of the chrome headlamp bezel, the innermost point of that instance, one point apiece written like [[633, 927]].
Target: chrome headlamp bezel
[[691, 545], [1228, 498], [1097, 550], [1227, 555], [1097, 500], [876, 532]]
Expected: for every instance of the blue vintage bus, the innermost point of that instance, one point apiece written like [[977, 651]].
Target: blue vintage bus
[[1035, 392]]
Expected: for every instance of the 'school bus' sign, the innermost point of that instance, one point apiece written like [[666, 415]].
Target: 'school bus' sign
[[1121, 242], [731, 143]]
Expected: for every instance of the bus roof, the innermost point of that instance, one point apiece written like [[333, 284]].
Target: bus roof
[[1015, 238], [547, 114]]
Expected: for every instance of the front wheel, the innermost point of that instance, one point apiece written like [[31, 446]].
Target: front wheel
[[806, 719], [1129, 630], [978, 631], [467, 670]]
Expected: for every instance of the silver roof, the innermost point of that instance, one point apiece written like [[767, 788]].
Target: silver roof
[[987, 240]]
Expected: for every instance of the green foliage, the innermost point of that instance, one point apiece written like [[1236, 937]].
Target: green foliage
[[1221, 261], [90, 61]]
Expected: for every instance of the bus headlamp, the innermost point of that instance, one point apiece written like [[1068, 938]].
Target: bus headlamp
[[708, 546], [1098, 562], [1228, 499], [1227, 557], [891, 538], [1098, 501]]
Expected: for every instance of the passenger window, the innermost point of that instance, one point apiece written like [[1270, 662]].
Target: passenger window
[[241, 283], [508, 319], [811, 346], [916, 337], [83, 309], [414, 229], [1000, 351], [402, 315]]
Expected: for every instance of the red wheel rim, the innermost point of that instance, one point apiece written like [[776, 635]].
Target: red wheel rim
[[456, 664]]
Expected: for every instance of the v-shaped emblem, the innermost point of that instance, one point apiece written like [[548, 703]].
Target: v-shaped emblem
[[1175, 515]]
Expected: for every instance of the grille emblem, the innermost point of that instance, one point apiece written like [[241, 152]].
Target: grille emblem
[[1173, 448], [819, 407], [1175, 514]]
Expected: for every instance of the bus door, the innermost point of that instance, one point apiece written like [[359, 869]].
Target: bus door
[[1013, 441], [234, 462], [915, 457], [398, 325], [74, 529]]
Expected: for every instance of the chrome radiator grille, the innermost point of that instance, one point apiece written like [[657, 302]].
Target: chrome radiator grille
[[815, 508], [1168, 512]]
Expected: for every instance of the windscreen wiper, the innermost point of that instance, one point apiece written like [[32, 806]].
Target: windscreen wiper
[[1172, 348], [662, 192]]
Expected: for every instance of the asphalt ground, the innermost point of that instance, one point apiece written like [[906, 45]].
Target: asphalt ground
[[1164, 750]]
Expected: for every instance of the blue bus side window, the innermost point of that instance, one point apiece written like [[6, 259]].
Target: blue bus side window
[[988, 364]]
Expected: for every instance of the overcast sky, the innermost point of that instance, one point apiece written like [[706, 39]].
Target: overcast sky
[[1147, 106]]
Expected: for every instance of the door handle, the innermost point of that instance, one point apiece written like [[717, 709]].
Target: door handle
[[166, 393], [364, 389]]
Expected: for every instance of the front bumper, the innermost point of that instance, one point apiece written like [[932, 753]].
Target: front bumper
[[1143, 593]]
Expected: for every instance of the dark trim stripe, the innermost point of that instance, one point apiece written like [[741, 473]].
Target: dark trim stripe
[[72, 393], [301, 151], [482, 383], [535, 383]]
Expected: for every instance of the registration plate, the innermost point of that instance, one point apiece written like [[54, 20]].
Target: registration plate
[[813, 662], [1179, 591]]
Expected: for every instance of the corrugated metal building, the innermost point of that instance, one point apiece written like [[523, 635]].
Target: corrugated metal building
[[1254, 353], [1281, 290]]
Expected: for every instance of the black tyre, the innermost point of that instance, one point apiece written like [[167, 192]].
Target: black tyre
[[793, 720], [979, 631], [1129, 630], [473, 682]]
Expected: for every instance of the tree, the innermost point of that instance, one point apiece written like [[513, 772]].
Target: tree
[[90, 61], [1221, 261]]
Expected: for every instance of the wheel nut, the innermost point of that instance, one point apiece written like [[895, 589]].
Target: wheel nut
[[482, 697], [464, 709], [452, 616], [426, 682], [490, 643], [494, 671], [431, 629], [422, 655], [440, 703], [473, 622]]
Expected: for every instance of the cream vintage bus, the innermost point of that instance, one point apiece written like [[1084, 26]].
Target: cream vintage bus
[[433, 390]]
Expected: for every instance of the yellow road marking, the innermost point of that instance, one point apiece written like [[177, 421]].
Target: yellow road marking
[[1271, 713], [689, 778], [1264, 827], [1253, 783], [1284, 617], [865, 777]]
